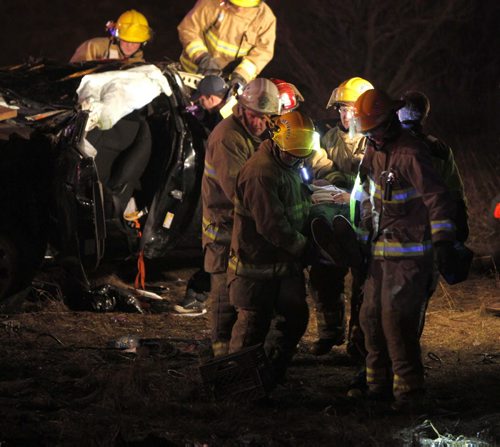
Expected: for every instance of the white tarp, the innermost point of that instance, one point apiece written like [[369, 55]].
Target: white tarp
[[111, 95]]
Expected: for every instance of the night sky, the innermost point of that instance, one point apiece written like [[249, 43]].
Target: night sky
[[443, 44], [449, 49]]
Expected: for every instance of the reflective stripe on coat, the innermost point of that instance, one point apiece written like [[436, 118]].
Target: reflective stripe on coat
[[248, 35], [419, 209]]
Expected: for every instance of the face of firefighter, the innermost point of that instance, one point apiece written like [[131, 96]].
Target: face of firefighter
[[256, 123], [288, 159], [209, 102], [129, 48], [346, 114]]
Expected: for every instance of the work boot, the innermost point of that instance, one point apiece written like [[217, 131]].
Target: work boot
[[220, 348], [358, 387], [323, 346], [410, 403]]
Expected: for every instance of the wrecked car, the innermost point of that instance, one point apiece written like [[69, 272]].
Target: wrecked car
[[90, 151]]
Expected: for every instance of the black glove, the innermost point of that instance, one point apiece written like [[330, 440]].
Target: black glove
[[237, 82], [207, 65], [446, 258]]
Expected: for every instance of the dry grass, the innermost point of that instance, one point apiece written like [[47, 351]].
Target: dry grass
[[59, 380]]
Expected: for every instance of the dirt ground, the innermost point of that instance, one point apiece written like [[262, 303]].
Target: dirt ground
[[61, 383]]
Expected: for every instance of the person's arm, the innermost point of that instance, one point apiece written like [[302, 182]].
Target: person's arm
[[261, 200], [87, 51], [191, 31], [320, 164], [229, 155], [420, 172], [262, 52]]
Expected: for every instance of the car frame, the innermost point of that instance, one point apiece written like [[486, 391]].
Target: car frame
[[51, 186]]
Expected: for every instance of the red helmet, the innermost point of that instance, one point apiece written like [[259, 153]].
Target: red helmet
[[289, 95]]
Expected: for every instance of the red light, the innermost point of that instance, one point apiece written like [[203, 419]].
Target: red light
[[496, 213]]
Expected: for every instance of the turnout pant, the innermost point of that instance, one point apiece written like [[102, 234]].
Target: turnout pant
[[327, 290], [395, 296], [223, 314], [258, 302]]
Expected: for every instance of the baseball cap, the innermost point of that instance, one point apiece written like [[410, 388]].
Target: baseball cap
[[210, 85]]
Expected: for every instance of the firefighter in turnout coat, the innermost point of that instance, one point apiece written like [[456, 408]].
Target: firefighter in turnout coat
[[265, 271], [337, 163], [235, 36], [405, 215], [128, 37], [232, 142]]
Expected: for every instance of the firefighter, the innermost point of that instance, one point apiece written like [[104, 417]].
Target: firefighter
[[209, 97], [231, 143], [235, 37], [337, 164], [265, 271], [128, 35], [290, 97], [413, 116], [405, 215]]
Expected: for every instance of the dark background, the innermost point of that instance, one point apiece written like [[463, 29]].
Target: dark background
[[447, 48]]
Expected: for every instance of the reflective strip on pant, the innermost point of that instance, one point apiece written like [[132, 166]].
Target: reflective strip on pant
[[377, 377], [405, 385]]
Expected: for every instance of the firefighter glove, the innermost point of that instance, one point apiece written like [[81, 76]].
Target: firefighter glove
[[207, 65], [446, 257], [237, 82]]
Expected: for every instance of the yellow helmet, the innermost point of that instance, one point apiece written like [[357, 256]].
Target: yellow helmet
[[349, 91], [246, 3], [294, 133], [132, 26]]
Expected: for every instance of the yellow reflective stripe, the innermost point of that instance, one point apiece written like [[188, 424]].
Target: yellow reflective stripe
[[213, 232], [398, 195], [209, 170], [188, 65], [209, 230], [376, 375], [442, 225], [196, 46], [205, 221], [398, 249], [248, 67], [220, 46], [261, 270], [405, 385]]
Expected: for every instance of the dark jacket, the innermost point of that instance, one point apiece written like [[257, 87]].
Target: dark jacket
[[271, 208], [407, 206]]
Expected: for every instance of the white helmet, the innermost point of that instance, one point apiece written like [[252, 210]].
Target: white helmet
[[261, 96]]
